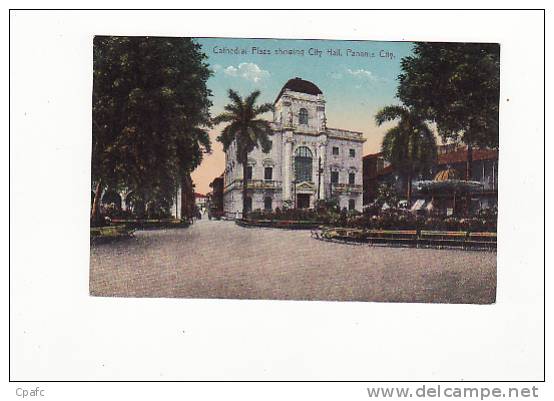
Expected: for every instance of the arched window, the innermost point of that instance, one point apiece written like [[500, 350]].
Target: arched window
[[303, 116], [303, 164]]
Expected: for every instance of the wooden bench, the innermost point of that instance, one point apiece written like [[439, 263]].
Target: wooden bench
[[399, 237], [481, 239], [443, 238]]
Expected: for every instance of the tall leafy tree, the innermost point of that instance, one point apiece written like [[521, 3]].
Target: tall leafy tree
[[246, 130], [410, 145], [150, 104], [456, 85]]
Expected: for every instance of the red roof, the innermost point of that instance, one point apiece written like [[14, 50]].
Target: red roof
[[460, 156], [373, 155], [457, 156], [199, 195]]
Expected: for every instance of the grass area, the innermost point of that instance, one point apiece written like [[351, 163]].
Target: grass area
[[110, 233]]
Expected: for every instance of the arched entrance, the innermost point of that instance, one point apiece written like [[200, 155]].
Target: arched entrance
[[111, 199], [135, 205], [303, 169]]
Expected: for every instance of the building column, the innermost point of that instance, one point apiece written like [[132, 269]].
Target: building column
[[287, 168], [321, 182]]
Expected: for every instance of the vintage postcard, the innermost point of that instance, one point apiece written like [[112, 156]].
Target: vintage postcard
[[294, 169]]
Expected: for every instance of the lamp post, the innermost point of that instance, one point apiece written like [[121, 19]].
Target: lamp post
[[294, 194]]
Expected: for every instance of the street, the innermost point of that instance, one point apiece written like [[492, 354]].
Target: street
[[218, 259]]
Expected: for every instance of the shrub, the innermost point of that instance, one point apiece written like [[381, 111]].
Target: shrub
[[390, 219]]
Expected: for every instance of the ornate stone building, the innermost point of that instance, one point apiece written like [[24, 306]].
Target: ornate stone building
[[308, 160]]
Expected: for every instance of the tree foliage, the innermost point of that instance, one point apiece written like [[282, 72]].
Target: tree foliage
[[150, 108], [410, 145], [386, 194], [245, 129], [456, 85]]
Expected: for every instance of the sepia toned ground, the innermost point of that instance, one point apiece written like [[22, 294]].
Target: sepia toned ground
[[218, 259]]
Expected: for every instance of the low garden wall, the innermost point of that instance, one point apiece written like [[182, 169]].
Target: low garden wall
[[145, 224], [118, 229], [413, 238], [285, 224]]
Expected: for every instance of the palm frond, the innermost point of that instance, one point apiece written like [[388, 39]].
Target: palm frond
[[264, 108], [390, 113], [388, 146], [228, 135], [232, 108], [235, 97], [251, 100], [223, 118]]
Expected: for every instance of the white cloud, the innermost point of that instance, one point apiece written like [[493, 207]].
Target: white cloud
[[361, 73], [248, 71]]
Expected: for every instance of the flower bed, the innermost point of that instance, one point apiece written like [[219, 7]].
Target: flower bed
[[413, 238], [404, 220], [392, 219], [286, 224]]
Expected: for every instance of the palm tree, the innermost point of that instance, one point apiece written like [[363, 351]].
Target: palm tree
[[410, 145], [246, 129]]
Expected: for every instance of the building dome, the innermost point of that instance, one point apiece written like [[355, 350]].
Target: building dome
[[300, 85], [445, 175]]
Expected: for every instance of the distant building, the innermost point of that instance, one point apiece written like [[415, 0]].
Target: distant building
[[216, 199], [451, 158], [308, 160], [200, 200], [375, 171]]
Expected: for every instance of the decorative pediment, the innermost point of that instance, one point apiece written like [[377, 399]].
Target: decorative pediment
[[305, 186], [251, 162], [268, 163]]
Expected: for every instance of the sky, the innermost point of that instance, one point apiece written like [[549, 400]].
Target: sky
[[357, 78]]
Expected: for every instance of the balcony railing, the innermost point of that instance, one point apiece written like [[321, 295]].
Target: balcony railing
[[255, 184], [346, 188]]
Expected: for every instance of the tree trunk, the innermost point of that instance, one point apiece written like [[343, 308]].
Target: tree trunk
[[469, 175], [469, 162], [409, 192], [95, 212], [244, 188], [187, 197], [184, 212]]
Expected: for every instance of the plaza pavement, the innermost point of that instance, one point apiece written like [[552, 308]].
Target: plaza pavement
[[218, 259]]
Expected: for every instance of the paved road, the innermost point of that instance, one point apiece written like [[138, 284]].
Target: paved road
[[218, 259]]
